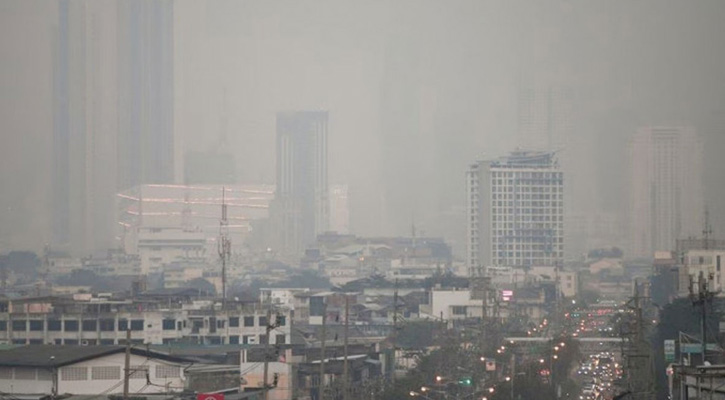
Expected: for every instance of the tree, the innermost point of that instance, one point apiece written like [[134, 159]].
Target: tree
[[203, 286]]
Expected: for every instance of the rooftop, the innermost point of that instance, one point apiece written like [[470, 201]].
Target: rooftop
[[58, 356]]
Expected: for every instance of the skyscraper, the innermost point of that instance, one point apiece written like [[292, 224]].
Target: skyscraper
[[146, 92], [339, 209], [515, 210], [113, 112], [84, 125], [301, 204], [666, 193]]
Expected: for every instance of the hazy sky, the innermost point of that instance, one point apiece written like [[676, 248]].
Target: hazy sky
[[416, 90]]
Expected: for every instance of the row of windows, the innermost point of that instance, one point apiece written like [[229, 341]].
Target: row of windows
[[526, 204], [528, 211], [511, 196], [250, 339], [526, 174], [109, 325], [114, 372], [72, 325]]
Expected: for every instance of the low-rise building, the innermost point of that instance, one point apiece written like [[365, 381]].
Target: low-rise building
[[155, 317], [74, 370]]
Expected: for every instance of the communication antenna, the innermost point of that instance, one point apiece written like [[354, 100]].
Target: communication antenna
[[707, 230], [186, 212], [224, 245]]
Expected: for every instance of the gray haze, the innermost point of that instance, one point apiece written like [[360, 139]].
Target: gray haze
[[416, 91]]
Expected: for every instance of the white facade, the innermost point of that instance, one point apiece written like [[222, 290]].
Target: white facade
[[515, 212], [707, 262], [666, 193], [453, 304], [339, 209], [160, 246], [102, 374], [106, 323], [282, 367]]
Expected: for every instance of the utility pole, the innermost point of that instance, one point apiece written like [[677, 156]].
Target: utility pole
[[322, 350], [484, 312], [701, 299], [395, 326], [224, 246], [345, 367], [127, 364], [266, 352], [638, 354]]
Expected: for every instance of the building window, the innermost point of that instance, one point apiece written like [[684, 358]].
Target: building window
[[122, 325], [45, 375], [136, 324], [36, 325], [168, 371], [247, 339], [281, 320], [262, 321], [168, 324], [105, 373], [234, 322], [107, 325], [220, 323], [262, 339], [54, 325], [74, 373], [89, 325], [3, 325], [139, 371], [19, 326], [25, 374], [280, 339], [459, 310], [70, 325], [248, 321]]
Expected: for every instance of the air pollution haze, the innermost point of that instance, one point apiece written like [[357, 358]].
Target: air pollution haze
[[415, 92]]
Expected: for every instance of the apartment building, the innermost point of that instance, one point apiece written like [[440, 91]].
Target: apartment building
[[515, 212]]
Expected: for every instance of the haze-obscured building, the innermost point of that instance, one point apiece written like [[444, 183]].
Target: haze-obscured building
[[145, 92], [339, 209], [301, 205], [515, 211], [85, 115], [193, 209], [666, 192]]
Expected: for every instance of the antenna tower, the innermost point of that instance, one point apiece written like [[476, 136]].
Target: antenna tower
[[224, 245]]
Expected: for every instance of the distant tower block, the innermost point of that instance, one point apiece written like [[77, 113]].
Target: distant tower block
[[515, 210], [301, 203]]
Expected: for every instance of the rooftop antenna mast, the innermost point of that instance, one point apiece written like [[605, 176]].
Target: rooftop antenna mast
[[707, 231], [224, 246]]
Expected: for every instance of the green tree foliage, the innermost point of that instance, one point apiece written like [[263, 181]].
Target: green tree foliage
[[417, 334], [20, 262], [681, 316], [203, 286]]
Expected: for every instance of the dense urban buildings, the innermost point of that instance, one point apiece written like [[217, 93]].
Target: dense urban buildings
[[666, 192], [301, 205], [515, 211]]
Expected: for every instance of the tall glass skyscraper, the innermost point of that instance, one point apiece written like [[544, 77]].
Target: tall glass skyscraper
[[146, 92]]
